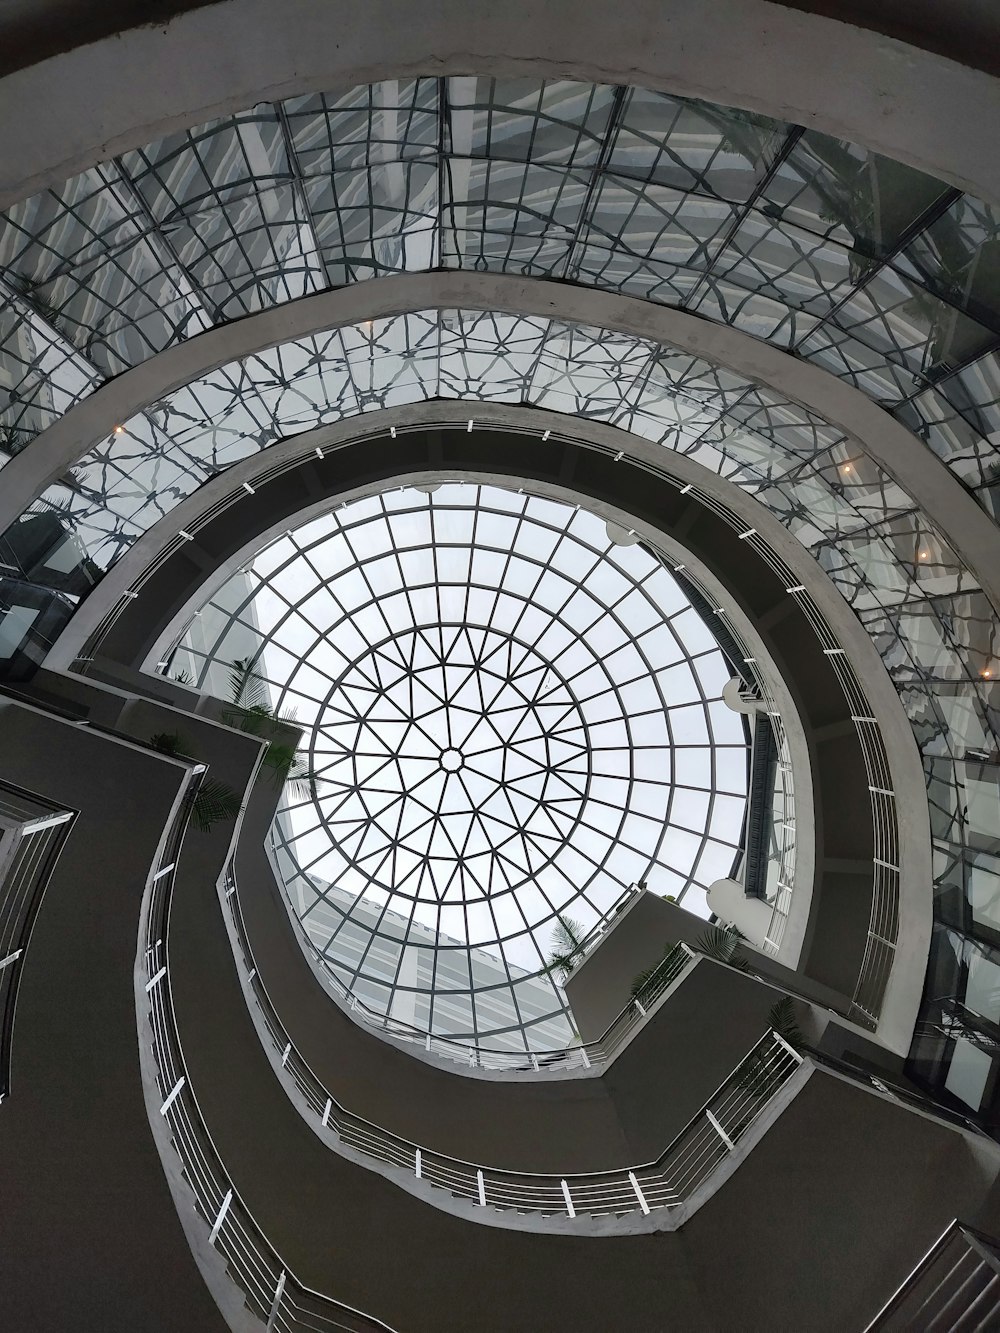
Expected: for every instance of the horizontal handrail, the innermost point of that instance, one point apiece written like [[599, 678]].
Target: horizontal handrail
[[877, 961], [582, 1055], [32, 835], [666, 1182], [953, 1287], [272, 1292]]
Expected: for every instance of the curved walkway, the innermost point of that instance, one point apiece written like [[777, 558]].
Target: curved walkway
[[804, 624], [920, 473], [339, 1224], [614, 1117], [91, 1237]]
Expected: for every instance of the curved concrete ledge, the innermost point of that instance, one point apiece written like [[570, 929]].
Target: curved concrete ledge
[[911, 463], [624, 1112], [164, 597], [87, 1211], [338, 1222], [907, 103]]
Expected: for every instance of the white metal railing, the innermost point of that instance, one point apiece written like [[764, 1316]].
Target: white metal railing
[[583, 1055], [272, 1292], [883, 928], [667, 1182], [32, 833], [955, 1286]]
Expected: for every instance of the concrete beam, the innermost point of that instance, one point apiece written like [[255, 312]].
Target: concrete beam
[[936, 491], [136, 85], [153, 620]]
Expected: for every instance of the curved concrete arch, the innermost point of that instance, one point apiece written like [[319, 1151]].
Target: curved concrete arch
[[905, 102], [944, 502], [902, 996]]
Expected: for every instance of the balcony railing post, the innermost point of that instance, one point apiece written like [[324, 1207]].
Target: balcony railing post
[[789, 1048], [279, 1291], [220, 1218], [569, 1202], [719, 1130], [638, 1193], [482, 1188]]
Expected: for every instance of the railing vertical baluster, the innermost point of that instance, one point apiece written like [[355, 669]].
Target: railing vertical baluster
[[569, 1202], [638, 1193], [482, 1188], [221, 1217], [279, 1291], [719, 1130]]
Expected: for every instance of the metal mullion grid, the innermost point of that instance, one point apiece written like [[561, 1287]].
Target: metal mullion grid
[[622, 599], [299, 188], [926, 219], [22, 304], [251, 281], [115, 186], [157, 237], [557, 617], [741, 212]]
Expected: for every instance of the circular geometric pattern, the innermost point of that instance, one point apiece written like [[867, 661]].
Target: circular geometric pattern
[[459, 751], [512, 717]]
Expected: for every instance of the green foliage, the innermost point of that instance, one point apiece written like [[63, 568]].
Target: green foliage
[[642, 983], [183, 677], [722, 945], [251, 712], [565, 947], [214, 801], [757, 1076], [288, 766], [172, 743], [781, 1017]]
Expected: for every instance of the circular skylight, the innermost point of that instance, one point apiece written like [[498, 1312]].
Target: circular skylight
[[512, 717]]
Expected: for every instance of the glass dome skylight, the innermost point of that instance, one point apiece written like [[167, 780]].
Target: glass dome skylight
[[513, 718]]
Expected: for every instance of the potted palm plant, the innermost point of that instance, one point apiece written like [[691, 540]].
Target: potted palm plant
[[214, 801], [250, 709]]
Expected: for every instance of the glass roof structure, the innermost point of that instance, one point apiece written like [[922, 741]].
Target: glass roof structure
[[512, 718], [870, 269]]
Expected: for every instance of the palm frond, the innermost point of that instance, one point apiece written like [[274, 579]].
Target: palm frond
[[172, 743], [642, 982], [781, 1017], [247, 688], [214, 803], [565, 947], [722, 945], [567, 934]]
